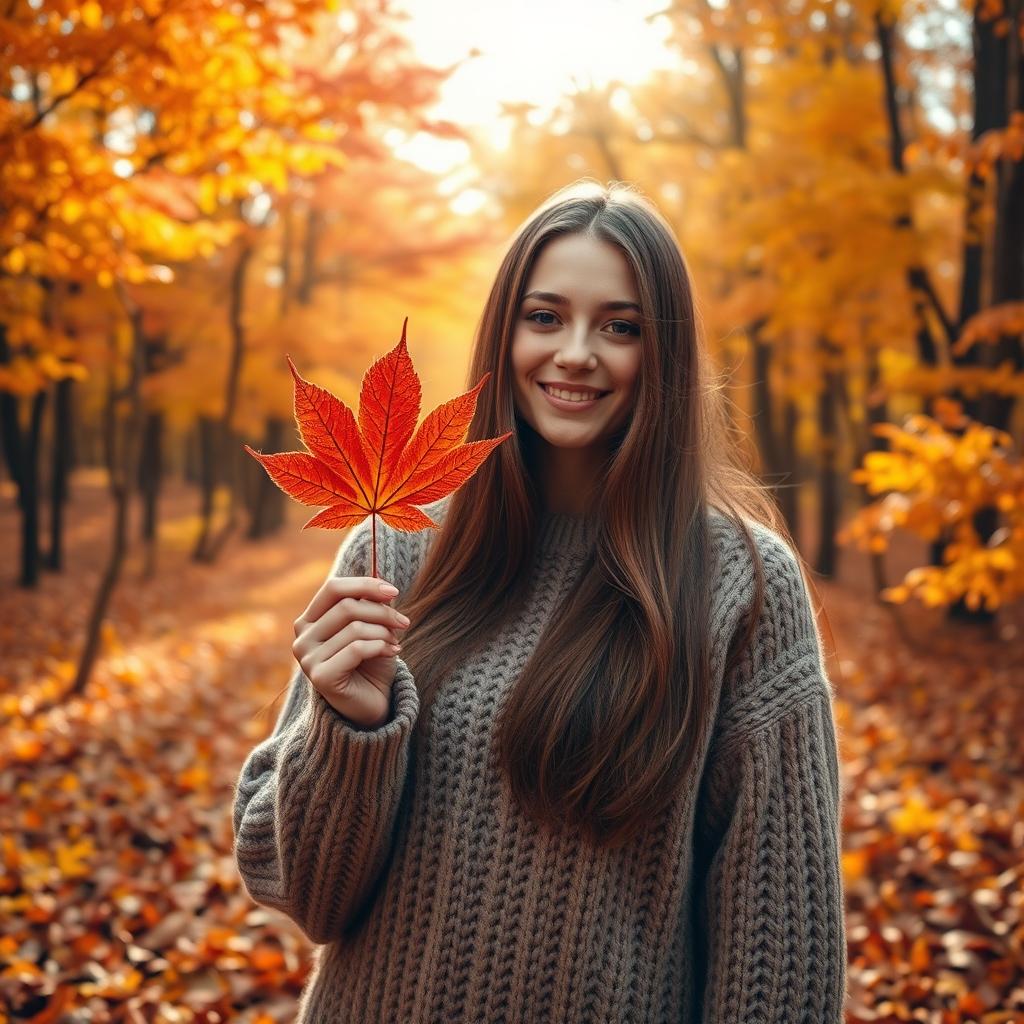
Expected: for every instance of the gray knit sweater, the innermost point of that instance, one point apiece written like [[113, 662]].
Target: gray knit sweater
[[436, 901]]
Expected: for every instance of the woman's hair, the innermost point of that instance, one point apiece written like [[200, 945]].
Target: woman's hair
[[604, 720]]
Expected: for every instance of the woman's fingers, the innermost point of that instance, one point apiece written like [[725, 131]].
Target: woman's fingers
[[354, 631], [334, 590], [353, 609]]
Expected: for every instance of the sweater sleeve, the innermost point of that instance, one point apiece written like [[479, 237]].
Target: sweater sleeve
[[772, 905], [316, 803]]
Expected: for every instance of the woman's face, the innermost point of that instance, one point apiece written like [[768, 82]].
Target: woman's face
[[584, 330]]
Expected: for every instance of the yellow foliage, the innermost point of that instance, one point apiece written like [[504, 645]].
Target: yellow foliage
[[918, 379], [856, 864], [936, 481], [91, 14], [232, 118], [914, 817], [15, 260], [74, 861]]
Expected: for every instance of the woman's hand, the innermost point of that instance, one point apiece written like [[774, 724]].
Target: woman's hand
[[347, 644]]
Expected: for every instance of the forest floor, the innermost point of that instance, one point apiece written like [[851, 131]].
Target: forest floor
[[119, 897]]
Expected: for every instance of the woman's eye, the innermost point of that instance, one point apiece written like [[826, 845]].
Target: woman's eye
[[540, 312], [631, 328]]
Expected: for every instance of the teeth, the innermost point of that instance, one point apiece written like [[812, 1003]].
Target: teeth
[[571, 396]]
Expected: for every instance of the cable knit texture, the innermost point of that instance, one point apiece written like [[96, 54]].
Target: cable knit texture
[[435, 900]]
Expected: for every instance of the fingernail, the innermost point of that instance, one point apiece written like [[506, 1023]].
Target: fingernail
[[387, 588]]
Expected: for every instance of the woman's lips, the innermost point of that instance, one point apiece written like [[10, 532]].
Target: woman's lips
[[570, 406]]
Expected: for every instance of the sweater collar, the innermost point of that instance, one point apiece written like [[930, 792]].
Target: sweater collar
[[565, 531]]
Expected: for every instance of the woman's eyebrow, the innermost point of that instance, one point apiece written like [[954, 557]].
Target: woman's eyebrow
[[561, 300]]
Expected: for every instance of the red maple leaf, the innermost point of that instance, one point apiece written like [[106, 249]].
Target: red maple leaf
[[378, 465]]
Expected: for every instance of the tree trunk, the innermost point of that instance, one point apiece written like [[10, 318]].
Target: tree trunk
[[877, 411], [193, 459], [209, 473], [28, 496], [229, 447], [789, 488], [287, 243], [150, 478], [828, 476], [926, 302], [21, 450], [763, 412], [10, 429], [63, 455], [266, 499], [307, 276], [863, 441], [123, 458]]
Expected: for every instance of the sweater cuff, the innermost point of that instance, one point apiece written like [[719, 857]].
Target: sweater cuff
[[326, 723], [332, 742]]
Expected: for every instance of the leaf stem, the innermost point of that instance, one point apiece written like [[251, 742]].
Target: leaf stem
[[373, 544]]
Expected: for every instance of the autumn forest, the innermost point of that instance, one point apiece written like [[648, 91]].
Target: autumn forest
[[201, 198]]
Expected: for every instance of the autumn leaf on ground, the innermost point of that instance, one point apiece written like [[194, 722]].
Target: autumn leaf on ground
[[378, 465]]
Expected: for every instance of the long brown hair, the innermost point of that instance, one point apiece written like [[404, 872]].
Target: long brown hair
[[605, 719]]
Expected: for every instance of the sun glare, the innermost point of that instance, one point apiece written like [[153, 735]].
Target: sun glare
[[532, 51]]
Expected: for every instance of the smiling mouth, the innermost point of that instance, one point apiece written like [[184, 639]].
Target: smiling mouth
[[577, 396]]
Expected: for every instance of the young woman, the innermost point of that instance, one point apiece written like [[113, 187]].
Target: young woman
[[601, 783]]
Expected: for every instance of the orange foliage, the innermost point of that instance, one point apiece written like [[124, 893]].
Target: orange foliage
[[938, 480]]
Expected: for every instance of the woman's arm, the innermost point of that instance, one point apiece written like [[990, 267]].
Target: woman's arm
[[316, 803], [773, 892], [772, 904]]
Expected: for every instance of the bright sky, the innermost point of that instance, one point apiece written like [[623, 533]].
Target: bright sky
[[531, 50]]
